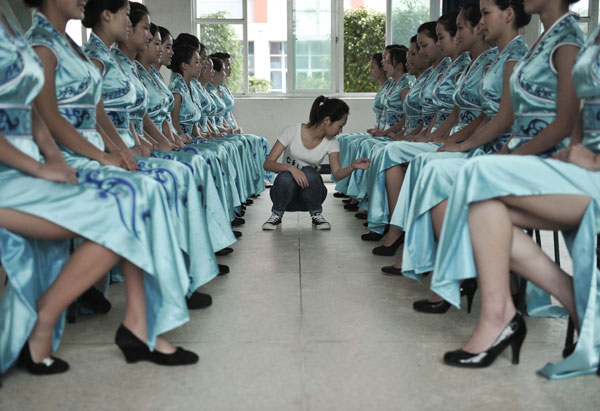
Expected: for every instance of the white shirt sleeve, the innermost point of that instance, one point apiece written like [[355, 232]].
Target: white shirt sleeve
[[334, 147], [286, 136]]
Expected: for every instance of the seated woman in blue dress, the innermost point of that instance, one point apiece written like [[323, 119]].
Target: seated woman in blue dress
[[125, 96], [388, 165], [43, 203], [478, 99], [541, 127], [348, 153], [507, 193]]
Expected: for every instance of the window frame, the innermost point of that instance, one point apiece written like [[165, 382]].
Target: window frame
[[337, 45]]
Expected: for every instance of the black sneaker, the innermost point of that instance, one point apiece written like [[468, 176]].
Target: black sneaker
[[320, 223], [272, 222]]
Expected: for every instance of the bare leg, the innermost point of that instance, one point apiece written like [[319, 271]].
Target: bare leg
[[499, 246], [135, 313], [394, 177], [32, 226], [89, 262]]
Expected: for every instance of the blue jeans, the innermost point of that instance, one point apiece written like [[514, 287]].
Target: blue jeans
[[287, 195]]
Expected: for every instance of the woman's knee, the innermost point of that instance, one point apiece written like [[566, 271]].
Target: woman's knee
[[312, 175]]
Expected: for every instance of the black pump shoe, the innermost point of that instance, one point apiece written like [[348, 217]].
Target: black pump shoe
[[513, 335], [136, 350], [467, 287], [225, 251], [351, 207], [48, 366], [198, 300], [361, 216], [237, 234], [340, 195], [391, 250], [223, 269], [94, 299], [371, 236], [238, 221], [391, 270]]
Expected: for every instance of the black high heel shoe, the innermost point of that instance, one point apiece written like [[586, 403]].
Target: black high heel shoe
[[391, 250], [513, 335], [136, 350], [96, 300], [467, 287], [48, 366]]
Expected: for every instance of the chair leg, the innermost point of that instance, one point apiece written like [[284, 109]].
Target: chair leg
[[72, 313], [556, 248], [538, 237], [521, 303]]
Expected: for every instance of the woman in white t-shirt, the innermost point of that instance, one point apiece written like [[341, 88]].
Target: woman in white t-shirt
[[299, 186]]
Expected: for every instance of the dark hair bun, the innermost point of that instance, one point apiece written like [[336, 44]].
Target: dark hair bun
[[94, 8], [428, 29], [33, 3], [521, 17]]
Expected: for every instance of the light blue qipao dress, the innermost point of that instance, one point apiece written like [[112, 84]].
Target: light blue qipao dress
[[401, 152], [191, 217], [488, 177], [253, 145], [216, 212], [129, 218], [468, 97], [251, 154], [190, 115], [235, 150], [435, 182], [465, 79], [347, 148], [431, 176], [393, 113], [260, 144], [443, 93]]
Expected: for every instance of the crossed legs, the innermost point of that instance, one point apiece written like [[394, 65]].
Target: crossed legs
[[500, 245]]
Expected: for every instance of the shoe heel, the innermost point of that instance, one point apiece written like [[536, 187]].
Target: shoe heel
[[515, 346], [470, 297], [468, 288], [131, 354]]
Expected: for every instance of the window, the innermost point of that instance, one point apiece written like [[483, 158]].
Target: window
[[588, 13], [406, 17], [309, 46], [250, 58], [278, 62]]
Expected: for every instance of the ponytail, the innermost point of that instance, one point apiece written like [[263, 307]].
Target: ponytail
[[322, 107]]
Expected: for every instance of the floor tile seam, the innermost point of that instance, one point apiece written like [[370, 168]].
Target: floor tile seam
[[303, 393]]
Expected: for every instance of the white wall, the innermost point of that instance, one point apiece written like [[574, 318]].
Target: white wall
[[266, 117]]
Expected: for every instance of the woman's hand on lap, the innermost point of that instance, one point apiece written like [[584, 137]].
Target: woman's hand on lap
[[361, 164], [58, 171], [579, 155]]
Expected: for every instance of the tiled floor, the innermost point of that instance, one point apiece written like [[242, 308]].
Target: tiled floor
[[304, 321]]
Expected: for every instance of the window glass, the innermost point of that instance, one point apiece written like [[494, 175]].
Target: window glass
[[223, 9], [364, 35], [407, 16], [225, 38], [312, 36], [582, 7]]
